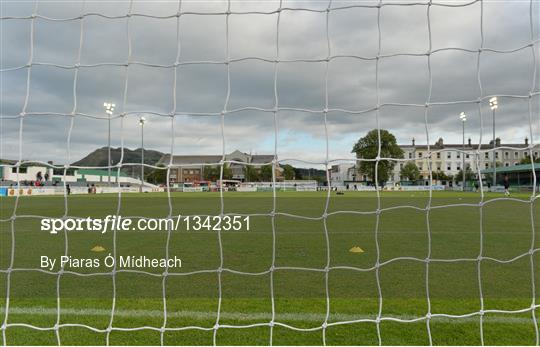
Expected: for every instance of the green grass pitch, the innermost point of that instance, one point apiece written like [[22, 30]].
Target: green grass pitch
[[300, 296]]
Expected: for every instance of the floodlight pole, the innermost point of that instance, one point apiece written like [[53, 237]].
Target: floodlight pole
[[494, 104], [494, 149], [463, 155], [109, 108], [463, 118], [109, 153], [142, 120]]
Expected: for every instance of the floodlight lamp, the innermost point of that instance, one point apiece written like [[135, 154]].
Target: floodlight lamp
[[493, 103], [142, 121], [463, 117], [109, 107]]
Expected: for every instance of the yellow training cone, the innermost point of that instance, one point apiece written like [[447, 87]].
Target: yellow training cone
[[98, 249], [356, 249]]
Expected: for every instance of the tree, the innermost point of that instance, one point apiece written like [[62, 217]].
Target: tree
[[212, 173], [157, 176], [527, 160], [410, 171], [489, 176], [367, 148], [251, 174], [469, 175], [266, 173], [288, 172], [227, 172], [440, 176]]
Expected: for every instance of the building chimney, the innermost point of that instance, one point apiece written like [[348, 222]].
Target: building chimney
[[413, 141], [526, 141], [497, 142], [470, 142]]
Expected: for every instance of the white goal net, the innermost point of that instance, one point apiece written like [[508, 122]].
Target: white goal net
[[375, 42]]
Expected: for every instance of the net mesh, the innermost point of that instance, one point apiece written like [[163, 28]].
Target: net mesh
[[176, 111]]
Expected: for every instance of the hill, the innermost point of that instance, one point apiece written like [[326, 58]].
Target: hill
[[100, 155]]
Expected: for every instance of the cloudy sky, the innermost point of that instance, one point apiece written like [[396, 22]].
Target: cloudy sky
[[201, 88]]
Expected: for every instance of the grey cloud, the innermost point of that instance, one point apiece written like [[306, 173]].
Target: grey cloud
[[302, 35]]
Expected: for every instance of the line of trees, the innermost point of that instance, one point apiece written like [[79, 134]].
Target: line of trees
[[529, 160], [212, 173]]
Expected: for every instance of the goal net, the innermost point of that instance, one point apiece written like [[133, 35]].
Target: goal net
[[288, 83]]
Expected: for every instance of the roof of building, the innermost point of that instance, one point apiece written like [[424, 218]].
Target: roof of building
[[213, 159], [439, 144], [8, 161], [190, 159], [25, 163], [514, 168], [471, 147], [99, 172], [262, 158]]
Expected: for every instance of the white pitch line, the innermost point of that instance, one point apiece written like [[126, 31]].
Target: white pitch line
[[251, 316]]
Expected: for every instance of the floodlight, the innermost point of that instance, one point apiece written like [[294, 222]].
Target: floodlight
[[493, 103], [109, 107]]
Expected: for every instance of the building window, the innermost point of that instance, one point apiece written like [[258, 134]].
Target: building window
[[506, 155], [486, 165], [410, 155], [497, 155], [22, 170], [60, 172], [438, 155], [535, 154], [516, 155], [449, 155], [486, 155], [467, 156], [419, 154], [458, 168], [438, 168], [458, 155], [506, 164], [448, 168]]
